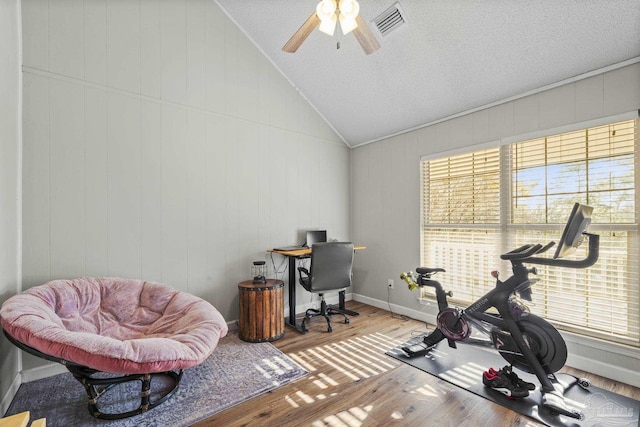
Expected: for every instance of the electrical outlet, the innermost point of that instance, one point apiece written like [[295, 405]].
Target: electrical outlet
[[390, 283]]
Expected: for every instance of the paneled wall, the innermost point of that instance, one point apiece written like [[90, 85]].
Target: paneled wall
[[160, 144], [9, 184], [386, 176]]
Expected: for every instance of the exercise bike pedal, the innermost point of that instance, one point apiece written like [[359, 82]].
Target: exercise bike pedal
[[554, 403], [417, 350]]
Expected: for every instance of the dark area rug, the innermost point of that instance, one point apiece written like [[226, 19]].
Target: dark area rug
[[234, 373], [464, 366]]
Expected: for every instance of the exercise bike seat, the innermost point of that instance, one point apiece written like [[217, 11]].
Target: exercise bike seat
[[429, 271]]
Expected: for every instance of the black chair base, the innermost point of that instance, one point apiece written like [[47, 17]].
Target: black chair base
[[97, 383], [325, 311], [97, 387]]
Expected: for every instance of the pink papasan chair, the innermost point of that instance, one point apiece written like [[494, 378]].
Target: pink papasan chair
[[130, 329]]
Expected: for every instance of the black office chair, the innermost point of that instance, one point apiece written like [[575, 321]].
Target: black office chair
[[331, 269]]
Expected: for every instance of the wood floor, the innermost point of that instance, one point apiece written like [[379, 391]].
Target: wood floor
[[353, 383]]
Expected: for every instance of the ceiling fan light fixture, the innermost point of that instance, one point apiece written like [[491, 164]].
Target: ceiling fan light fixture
[[347, 24], [349, 10], [326, 11], [328, 26]]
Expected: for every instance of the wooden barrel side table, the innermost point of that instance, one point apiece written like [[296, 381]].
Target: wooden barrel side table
[[261, 311]]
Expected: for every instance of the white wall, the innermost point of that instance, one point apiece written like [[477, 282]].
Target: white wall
[[9, 183], [160, 144], [386, 187]]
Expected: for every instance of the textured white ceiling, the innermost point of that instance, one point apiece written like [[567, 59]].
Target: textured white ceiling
[[449, 57]]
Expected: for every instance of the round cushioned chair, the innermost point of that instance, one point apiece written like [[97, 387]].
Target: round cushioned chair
[[132, 329]]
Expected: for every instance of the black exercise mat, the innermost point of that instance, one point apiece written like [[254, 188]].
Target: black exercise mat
[[464, 366]]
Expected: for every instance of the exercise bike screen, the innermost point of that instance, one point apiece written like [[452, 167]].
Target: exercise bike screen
[[577, 224]]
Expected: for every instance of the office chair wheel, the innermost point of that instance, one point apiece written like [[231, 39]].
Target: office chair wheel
[[346, 320], [329, 329]]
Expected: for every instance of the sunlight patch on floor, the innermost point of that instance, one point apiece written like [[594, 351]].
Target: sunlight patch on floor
[[361, 352], [356, 358], [464, 376], [427, 390], [304, 397], [291, 402], [328, 379], [334, 365], [353, 359], [309, 367], [354, 417], [320, 384], [397, 415]]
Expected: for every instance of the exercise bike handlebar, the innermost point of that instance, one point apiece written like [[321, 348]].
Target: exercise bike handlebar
[[525, 253], [522, 252], [591, 258]]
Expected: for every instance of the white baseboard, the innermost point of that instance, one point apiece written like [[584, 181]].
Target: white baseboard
[[10, 394], [599, 363], [424, 316], [599, 367], [44, 371]]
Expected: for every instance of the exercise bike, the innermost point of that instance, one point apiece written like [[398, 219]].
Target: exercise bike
[[526, 341]]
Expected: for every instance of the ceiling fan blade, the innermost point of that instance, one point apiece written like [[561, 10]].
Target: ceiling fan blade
[[365, 37], [301, 35]]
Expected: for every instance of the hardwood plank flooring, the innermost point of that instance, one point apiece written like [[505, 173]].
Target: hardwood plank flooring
[[353, 383]]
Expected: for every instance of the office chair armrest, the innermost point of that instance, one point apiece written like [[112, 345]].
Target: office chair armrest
[[304, 270]]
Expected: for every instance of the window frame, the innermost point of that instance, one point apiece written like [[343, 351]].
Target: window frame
[[505, 225]]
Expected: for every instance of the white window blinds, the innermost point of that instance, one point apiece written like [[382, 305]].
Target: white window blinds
[[481, 204]]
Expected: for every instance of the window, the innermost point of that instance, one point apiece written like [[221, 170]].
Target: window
[[478, 205]]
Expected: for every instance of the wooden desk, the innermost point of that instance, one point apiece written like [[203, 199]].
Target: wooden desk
[[293, 256]]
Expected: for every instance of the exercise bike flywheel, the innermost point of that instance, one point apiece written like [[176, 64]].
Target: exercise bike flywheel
[[453, 325], [543, 339]]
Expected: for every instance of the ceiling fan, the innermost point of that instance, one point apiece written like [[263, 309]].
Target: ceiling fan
[[326, 15]]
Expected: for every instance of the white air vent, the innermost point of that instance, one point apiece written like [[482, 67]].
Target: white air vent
[[390, 19]]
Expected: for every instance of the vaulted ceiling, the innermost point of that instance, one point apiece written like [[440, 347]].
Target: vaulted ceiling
[[448, 57]]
